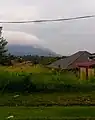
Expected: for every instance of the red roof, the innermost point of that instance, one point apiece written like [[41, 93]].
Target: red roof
[[86, 64]]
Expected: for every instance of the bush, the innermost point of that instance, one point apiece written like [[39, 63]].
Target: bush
[[43, 82], [14, 82]]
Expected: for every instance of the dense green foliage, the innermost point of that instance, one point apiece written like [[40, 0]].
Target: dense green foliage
[[3, 50], [47, 87], [43, 82], [43, 89], [3, 44]]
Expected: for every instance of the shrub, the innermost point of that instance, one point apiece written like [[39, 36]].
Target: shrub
[[43, 82], [14, 82]]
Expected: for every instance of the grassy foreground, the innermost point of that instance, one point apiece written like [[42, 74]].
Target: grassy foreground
[[40, 79], [52, 102], [42, 113], [48, 99]]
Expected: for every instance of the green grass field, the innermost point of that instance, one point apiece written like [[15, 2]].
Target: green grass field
[[48, 99], [52, 113], [52, 105], [25, 68]]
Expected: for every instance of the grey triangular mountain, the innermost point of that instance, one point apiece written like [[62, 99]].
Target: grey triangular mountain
[[20, 50]]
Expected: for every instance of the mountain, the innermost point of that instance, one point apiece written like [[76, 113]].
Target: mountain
[[20, 50]]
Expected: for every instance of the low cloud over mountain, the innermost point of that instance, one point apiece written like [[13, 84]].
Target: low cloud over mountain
[[21, 50], [20, 43]]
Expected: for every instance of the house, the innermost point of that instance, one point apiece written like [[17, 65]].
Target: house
[[92, 57], [86, 69], [70, 62]]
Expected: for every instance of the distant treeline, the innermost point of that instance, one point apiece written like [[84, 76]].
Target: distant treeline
[[44, 60]]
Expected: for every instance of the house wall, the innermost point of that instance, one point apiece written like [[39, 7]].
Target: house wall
[[91, 72], [83, 73], [86, 73]]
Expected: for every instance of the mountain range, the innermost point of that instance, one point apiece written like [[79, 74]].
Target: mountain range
[[20, 50]]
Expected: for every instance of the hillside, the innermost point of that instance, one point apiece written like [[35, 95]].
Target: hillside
[[20, 50]]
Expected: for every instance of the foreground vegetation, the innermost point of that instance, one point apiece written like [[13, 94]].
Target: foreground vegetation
[[48, 113], [45, 94], [39, 79], [38, 86], [48, 99]]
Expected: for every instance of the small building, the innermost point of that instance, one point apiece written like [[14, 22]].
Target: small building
[[86, 69]]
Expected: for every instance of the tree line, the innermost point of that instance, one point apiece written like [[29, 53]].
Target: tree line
[[5, 57]]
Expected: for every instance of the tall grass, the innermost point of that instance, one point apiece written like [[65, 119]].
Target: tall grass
[[14, 81], [43, 82]]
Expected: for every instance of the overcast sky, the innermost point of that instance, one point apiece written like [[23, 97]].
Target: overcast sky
[[62, 37]]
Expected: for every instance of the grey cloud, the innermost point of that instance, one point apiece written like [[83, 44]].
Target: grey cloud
[[63, 37]]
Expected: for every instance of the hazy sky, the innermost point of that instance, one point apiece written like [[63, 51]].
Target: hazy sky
[[62, 37]]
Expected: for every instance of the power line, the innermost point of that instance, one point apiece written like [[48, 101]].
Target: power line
[[49, 20]]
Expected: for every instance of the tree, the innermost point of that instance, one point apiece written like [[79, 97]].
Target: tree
[[3, 50]]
